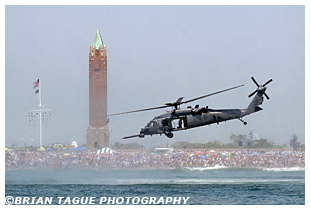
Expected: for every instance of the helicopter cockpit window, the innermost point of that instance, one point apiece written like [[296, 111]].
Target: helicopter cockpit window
[[154, 123], [149, 124]]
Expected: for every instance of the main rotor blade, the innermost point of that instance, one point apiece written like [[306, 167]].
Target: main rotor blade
[[255, 81], [267, 82], [178, 102], [140, 110], [266, 96], [210, 94]]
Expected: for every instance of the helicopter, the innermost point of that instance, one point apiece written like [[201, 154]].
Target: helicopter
[[191, 117]]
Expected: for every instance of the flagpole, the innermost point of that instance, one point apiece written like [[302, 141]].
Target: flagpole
[[40, 92], [40, 113]]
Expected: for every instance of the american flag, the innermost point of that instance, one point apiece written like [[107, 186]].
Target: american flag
[[36, 84]]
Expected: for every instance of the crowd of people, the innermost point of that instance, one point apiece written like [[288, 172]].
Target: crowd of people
[[62, 159]]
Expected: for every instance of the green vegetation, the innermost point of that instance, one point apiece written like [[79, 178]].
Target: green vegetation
[[295, 144], [239, 141]]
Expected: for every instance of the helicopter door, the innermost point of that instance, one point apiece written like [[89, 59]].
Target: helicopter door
[[164, 122], [180, 123]]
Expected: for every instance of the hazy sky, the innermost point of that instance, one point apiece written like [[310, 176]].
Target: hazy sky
[[156, 54]]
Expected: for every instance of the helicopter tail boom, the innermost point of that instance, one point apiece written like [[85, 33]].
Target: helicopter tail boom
[[254, 105]]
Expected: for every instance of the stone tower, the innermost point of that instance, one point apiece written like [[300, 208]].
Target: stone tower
[[98, 131]]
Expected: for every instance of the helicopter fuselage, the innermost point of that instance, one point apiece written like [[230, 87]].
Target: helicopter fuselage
[[184, 119]]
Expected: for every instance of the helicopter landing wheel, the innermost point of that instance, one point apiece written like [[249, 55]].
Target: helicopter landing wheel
[[170, 135], [244, 122]]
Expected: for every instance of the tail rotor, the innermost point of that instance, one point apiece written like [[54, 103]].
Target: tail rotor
[[260, 87]]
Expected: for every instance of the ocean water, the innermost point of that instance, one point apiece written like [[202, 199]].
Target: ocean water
[[203, 186]]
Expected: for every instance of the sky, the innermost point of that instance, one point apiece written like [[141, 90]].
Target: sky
[[156, 54]]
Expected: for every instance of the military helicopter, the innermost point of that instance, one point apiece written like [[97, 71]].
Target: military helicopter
[[182, 119]]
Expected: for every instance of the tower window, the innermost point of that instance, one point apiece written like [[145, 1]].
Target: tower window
[[97, 70]]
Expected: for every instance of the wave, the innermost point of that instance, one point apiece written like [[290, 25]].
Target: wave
[[205, 168], [217, 167], [170, 182], [204, 181], [284, 169], [207, 175]]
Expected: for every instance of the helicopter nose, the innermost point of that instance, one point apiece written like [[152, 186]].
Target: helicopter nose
[[142, 133]]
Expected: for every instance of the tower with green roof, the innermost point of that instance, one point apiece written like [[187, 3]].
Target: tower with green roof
[[98, 131]]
